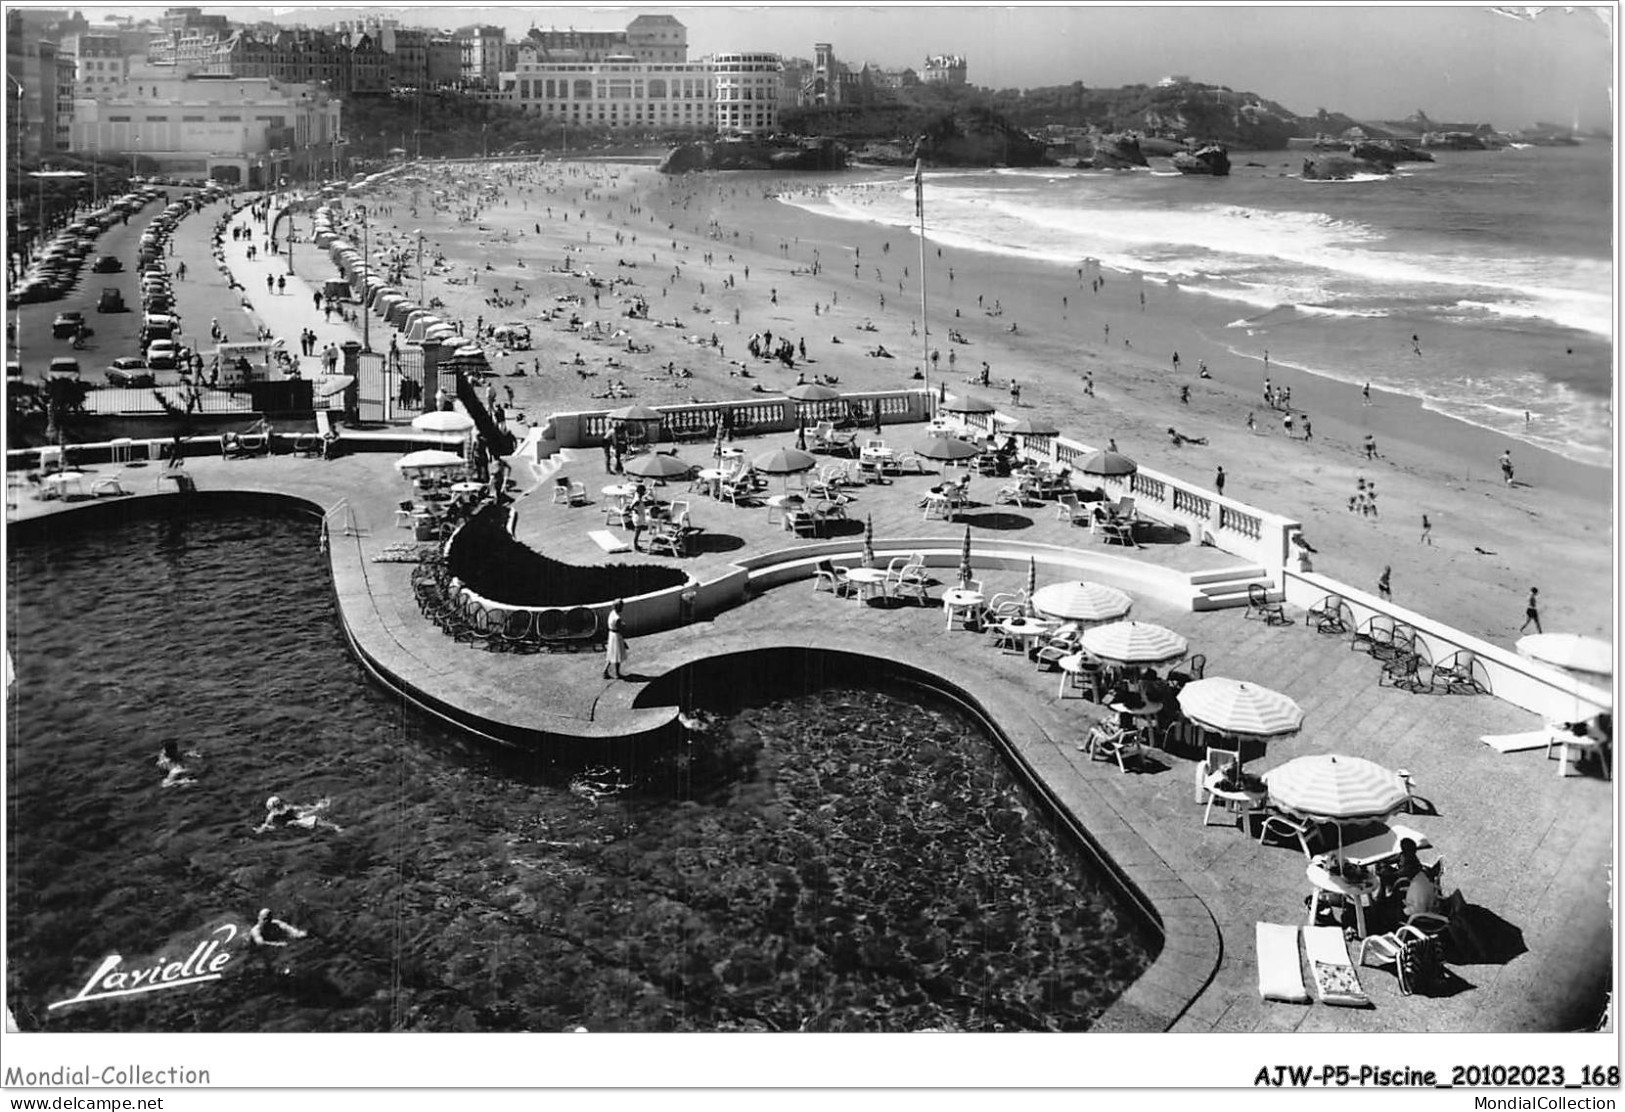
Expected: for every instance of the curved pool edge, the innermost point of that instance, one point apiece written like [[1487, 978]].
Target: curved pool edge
[[1192, 945], [380, 622]]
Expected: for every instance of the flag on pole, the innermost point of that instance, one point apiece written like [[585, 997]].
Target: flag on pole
[[919, 191]]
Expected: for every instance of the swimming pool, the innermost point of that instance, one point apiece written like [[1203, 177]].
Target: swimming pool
[[842, 858]]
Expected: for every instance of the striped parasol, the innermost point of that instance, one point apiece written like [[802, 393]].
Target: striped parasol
[[1571, 651], [1335, 787], [1032, 582], [1134, 643], [1237, 709], [1080, 601], [964, 404], [965, 572], [869, 540]]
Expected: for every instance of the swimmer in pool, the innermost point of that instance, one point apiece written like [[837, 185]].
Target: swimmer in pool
[[308, 817], [171, 760], [267, 931]]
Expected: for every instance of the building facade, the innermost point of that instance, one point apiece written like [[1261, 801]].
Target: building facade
[[348, 64], [481, 50], [747, 92], [943, 69], [623, 94], [250, 131], [99, 59], [32, 89]]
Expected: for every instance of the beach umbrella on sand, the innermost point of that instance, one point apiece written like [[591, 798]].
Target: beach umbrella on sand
[[1134, 643], [443, 420], [965, 404], [868, 540], [965, 572], [657, 465], [1107, 463], [944, 448], [1571, 651], [1079, 601], [1337, 789]]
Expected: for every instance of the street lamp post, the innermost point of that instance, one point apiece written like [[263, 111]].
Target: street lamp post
[[366, 264], [419, 234]]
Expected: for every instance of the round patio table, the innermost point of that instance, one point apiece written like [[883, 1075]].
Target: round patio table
[[620, 490], [868, 579], [1075, 665], [1021, 631], [961, 599], [1355, 890], [1244, 800], [710, 477]]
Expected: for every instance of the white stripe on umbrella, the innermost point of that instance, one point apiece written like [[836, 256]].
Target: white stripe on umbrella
[[1134, 642], [1228, 706], [1081, 601], [1331, 786]]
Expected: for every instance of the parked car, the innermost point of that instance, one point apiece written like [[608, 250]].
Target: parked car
[[67, 324], [107, 264], [163, 355], [64, 366], [111, 301], [129, 371]]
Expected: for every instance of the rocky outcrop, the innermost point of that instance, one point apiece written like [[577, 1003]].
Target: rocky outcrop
[[978, 138], [814, 154], [1387, 151], [1336, 167], [1115, 152], [1211, 159], [1453, 141]]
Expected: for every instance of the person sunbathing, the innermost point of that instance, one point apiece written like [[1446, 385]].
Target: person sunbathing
[[1178, 438]]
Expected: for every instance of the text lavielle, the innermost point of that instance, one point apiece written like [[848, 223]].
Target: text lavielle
[[113, 978]]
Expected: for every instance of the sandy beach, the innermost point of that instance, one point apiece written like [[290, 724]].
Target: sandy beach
[[719, 255]]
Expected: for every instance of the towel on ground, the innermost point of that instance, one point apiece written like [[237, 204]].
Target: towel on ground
[[608, 541], [1512, 743], [1336, 982]]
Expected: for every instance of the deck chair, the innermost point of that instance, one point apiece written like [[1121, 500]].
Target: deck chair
[[912, 580], [1403, 672], [1120, 530], [1062, 641], [578, 494], [1280, 823], [1259, 603], [1006, 604], [1067, 509], [1334, 976], [1331, 615], [826, 576], [1115, 742], [561, 490], [1280, 974], [1011, 494], [403, 513], [1455, 675]]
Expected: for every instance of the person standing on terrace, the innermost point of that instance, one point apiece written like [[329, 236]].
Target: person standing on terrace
[[615, 647]]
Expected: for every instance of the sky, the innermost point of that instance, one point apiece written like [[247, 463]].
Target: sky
[[1506, 65]]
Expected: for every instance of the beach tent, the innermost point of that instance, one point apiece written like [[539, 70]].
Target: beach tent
[[375, 298], [399, 311]]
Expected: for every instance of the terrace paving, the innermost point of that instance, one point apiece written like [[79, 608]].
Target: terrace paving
[[1519, 841]]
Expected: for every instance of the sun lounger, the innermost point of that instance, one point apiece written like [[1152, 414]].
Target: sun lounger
[[1280, 976], [608, 541], [1512, 743], [1336, 981]]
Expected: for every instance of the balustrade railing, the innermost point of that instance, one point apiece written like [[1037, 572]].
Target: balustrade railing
[[1248, 525]]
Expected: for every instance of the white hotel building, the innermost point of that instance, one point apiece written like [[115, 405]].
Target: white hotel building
[[641, 79]]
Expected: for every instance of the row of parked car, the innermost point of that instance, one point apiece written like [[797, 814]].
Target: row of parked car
[[56, 269]]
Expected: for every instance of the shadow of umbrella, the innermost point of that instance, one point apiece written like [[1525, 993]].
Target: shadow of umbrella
[[1478, 936]]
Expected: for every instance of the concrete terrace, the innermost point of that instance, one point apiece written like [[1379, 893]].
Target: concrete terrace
[[1529, 847]]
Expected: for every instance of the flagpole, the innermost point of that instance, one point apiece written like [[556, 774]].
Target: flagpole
[[925, 325]]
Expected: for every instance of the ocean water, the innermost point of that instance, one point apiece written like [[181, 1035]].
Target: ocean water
[[1500, 263], [840, 859]]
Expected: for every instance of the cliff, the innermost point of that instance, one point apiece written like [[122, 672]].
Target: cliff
[[1114, 152]]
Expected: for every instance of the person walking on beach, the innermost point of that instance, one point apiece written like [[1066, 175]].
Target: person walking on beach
[[1269, 389], [1506, 466], [1015, 392], [1531, 611], [1252, 425], [1286, 422], [1370, 446], [1185, 394], [1427, 532], [1365, 393], [1383, 585], [1218, 482], [1308, 429], [615, 647]]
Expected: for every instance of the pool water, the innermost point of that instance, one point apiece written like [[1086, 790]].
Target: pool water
[[849, 859]]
